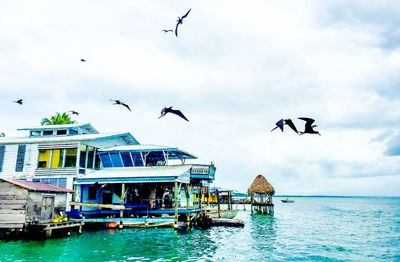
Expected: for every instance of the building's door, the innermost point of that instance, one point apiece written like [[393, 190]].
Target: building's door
[[47, 207]]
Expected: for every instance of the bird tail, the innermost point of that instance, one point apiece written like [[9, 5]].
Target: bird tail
[[274, 128]]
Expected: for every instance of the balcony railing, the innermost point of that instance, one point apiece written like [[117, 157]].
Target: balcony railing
[[55, 171], [202, 172]]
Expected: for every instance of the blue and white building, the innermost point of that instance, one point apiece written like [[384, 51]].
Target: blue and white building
[[108, 172]]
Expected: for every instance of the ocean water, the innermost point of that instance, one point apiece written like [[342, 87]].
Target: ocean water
[[311, 229]]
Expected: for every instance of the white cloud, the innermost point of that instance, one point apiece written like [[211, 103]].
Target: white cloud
[[235, 70]]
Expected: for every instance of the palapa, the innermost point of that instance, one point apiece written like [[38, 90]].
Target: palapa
[[260, 185]]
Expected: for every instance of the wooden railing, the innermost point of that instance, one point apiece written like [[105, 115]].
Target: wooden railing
[[55, 171]]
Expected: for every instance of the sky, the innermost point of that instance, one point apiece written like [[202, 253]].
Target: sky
[[236, 68]]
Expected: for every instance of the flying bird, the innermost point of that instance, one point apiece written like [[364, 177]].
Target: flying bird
[[83, 60], [309, 127], [118, 102], [180, 21], [167, 30], [74, 112], [167, 110], [19, 101], [283, 122]]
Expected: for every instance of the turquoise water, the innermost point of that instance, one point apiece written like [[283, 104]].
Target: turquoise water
[[311, 229]]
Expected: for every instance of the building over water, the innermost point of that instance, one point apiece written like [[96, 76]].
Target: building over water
[[111, 174]]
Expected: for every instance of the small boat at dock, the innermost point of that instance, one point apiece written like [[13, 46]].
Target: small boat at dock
[[287, 200]]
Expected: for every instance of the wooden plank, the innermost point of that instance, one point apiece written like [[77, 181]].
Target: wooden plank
[[4, 206], [116, 207], [7, 218], [12, 211], [13, 197], [13, 201], [11, 225]]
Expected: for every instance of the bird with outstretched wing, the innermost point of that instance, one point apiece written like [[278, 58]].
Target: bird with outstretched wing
[[118, 102], [180, 21], [167, 110]]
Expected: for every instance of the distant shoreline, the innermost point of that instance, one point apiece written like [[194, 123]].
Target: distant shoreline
[[333, 196]]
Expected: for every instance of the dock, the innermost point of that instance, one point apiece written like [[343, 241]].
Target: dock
[[47, 229], [226, 222]]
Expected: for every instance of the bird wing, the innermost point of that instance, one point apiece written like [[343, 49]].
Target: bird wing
[[279, 124], [308, 120], [125, 105], [289, 122], [176, 29], [186, 13], [163, 112], [179, 113]]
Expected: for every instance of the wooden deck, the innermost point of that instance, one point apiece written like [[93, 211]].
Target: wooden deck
[[48, 228]]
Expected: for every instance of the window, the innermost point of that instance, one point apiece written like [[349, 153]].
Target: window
[[35, 133], [82, 159], [57, 158], [73, 132], [44, 158], [116, 159], [19, 167], [48, 132], [97, 162], [2, 152], [137, 159], [106, 160], [126, 158], [60, 182], [61, 132], [90, 155], [70, 157]]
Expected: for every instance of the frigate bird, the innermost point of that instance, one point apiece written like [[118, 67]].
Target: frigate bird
[[74, 112], [283, 122], [167, 110], [19, 101], [167, 30], [309, 127], [180, 21], [118, 102], [83, 60]]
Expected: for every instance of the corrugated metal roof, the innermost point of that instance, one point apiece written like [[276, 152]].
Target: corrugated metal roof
[[149, 148], [141, 174], [52, 139], [87, 126], [37, 186]]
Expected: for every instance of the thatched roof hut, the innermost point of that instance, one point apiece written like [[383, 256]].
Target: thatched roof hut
[[260, 185]]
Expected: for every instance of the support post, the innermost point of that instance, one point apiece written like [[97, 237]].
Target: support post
[[219, 206], [177, 188], [121, 212], [251, 203], [200, 195], [229, 200]]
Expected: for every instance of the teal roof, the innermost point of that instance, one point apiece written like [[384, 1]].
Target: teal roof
[[152, 174], [173, 152]]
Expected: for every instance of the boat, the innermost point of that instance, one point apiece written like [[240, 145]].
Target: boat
[[229, 214], [287, 200]]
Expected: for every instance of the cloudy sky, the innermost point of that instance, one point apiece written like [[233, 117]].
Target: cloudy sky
[[236, 68]]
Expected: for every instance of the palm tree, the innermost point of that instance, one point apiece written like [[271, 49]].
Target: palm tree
[[58, 119]]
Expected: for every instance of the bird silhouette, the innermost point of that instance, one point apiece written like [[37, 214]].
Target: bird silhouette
[[74, 112], [118, 102], [19, 101], [180, 21], [167, 110], [309, 127], [83, 60], [283, 122], [167, 30]]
